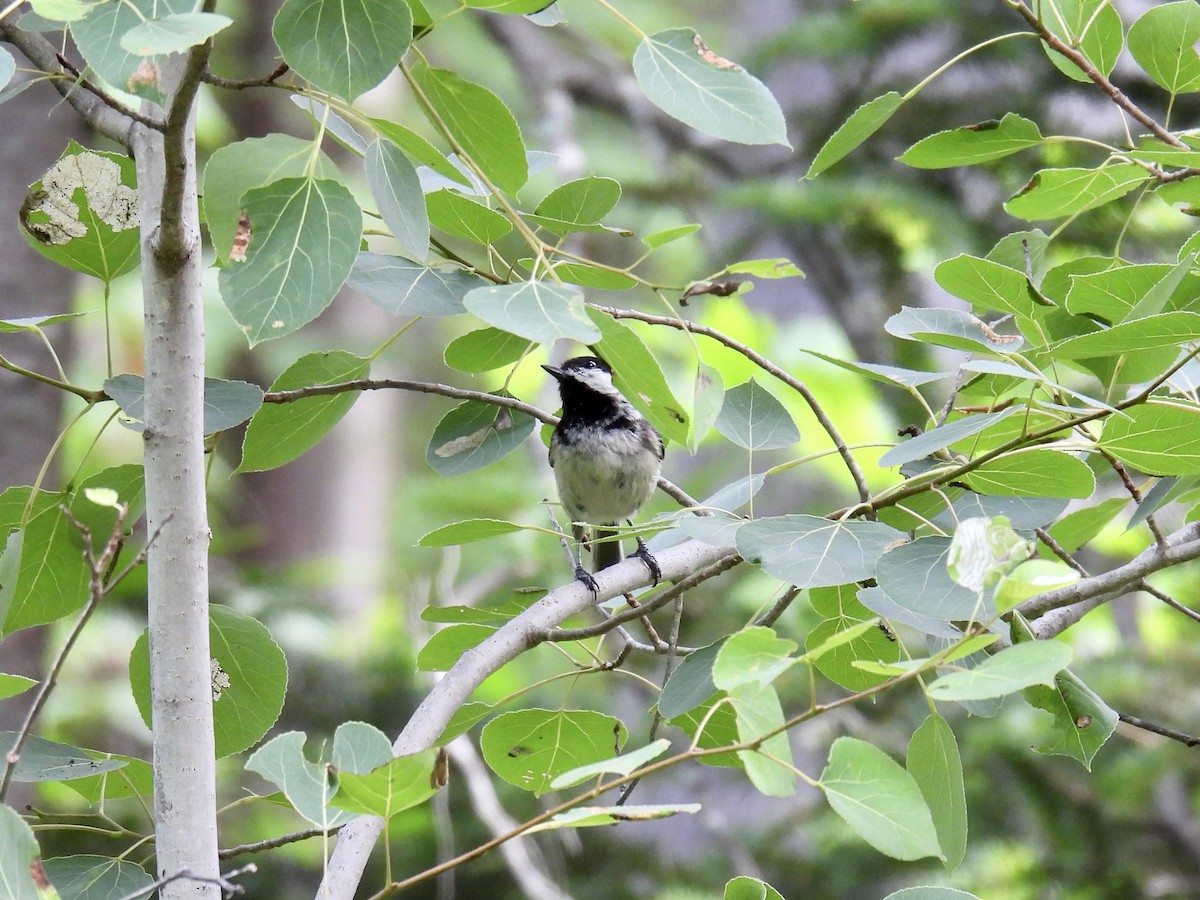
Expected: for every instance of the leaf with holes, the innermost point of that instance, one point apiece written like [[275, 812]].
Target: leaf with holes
[[530, 748], [306, 237]]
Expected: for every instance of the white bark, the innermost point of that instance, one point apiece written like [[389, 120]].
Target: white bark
[[427, 723], [176, 513]]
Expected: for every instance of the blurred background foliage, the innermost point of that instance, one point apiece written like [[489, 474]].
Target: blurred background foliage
[[322, 550]]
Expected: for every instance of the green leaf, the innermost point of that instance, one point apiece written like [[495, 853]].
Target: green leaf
[[584, 201], [51, 578], [935, 765], [986, 285], [397, 785], [1055, 193], [306, 238], [84, 877], [466, 218], [930, 893], [481, 124], [1094, 28], [1156, 438], [442, 651], [236, 168], [746, 888], [484, 350], [591, 816], [594, 277], [755, 656], [419, 149], [18, 852], [1030, 578], [753, 418], [914, 576], [943, 436], [881, 374], [397, 190], [708, 396], [406, 288], [537, 310], [226, 403], [866, 641], [173, 33], [691, 683], [639, 376], [474, 435], [307, 786], [62, 10], [984, 550], [327, 122], [758, 713], [469, 531], [98, 38], [1162, 330], [135, 778], [280, 432], [973, 144], [12, 685], [809, 551], [625, 764], [1076, 528], [1112, 293], [777, 267], [689, 82], [249, 679], [513, 7], [43, 760], [1012, 669], [879, 800], [1034, 473], [1163, 41], [83, 213], [345, 47], [863, 123], [952, 328], [531, 747], [1082, 721], [657, 239]]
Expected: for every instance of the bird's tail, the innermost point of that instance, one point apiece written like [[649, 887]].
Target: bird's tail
[[606, 549]]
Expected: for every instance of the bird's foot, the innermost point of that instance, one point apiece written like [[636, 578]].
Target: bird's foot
[[584, 577], [643, 553]]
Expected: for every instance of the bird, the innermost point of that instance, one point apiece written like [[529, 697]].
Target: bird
[[606, 459]]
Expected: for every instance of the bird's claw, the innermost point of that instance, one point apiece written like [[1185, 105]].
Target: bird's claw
[[584, 577], [643, 553]]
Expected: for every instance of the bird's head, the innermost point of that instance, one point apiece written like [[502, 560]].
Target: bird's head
[[584, 373]]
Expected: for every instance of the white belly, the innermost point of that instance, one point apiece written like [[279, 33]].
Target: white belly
[[605, 486]]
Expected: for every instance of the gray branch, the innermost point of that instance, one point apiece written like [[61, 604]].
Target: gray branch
[[427, 723], [109, 120], [1057, 610]]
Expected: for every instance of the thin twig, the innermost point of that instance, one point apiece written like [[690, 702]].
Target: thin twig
[[1055, 43], [89, 396], [231, 84], [225, 882], [1185, 739], [1058, 550], [271, 843], [1168, 599], [771, 616], [106, 98]]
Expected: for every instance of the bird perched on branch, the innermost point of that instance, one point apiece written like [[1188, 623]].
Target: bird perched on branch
[[605, 457]]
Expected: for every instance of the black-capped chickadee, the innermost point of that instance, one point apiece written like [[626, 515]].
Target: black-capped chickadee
[[605, 457]]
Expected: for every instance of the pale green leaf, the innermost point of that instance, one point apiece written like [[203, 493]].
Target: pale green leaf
[[537, 310], [1055, 193], [753, 418], [173, 33], [474, 435], [625, 764], [879, 800], [530, 748], [306, 234], [1156, 438], [1012, 669], [809, 551], [1163, 42], [406, 288], [935, 765], [686, 80], [397, 190]]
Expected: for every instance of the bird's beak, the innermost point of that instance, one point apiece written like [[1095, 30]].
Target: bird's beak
[[556, 372]]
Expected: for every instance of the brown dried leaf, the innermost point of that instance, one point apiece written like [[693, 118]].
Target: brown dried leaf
[[241, 239]]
